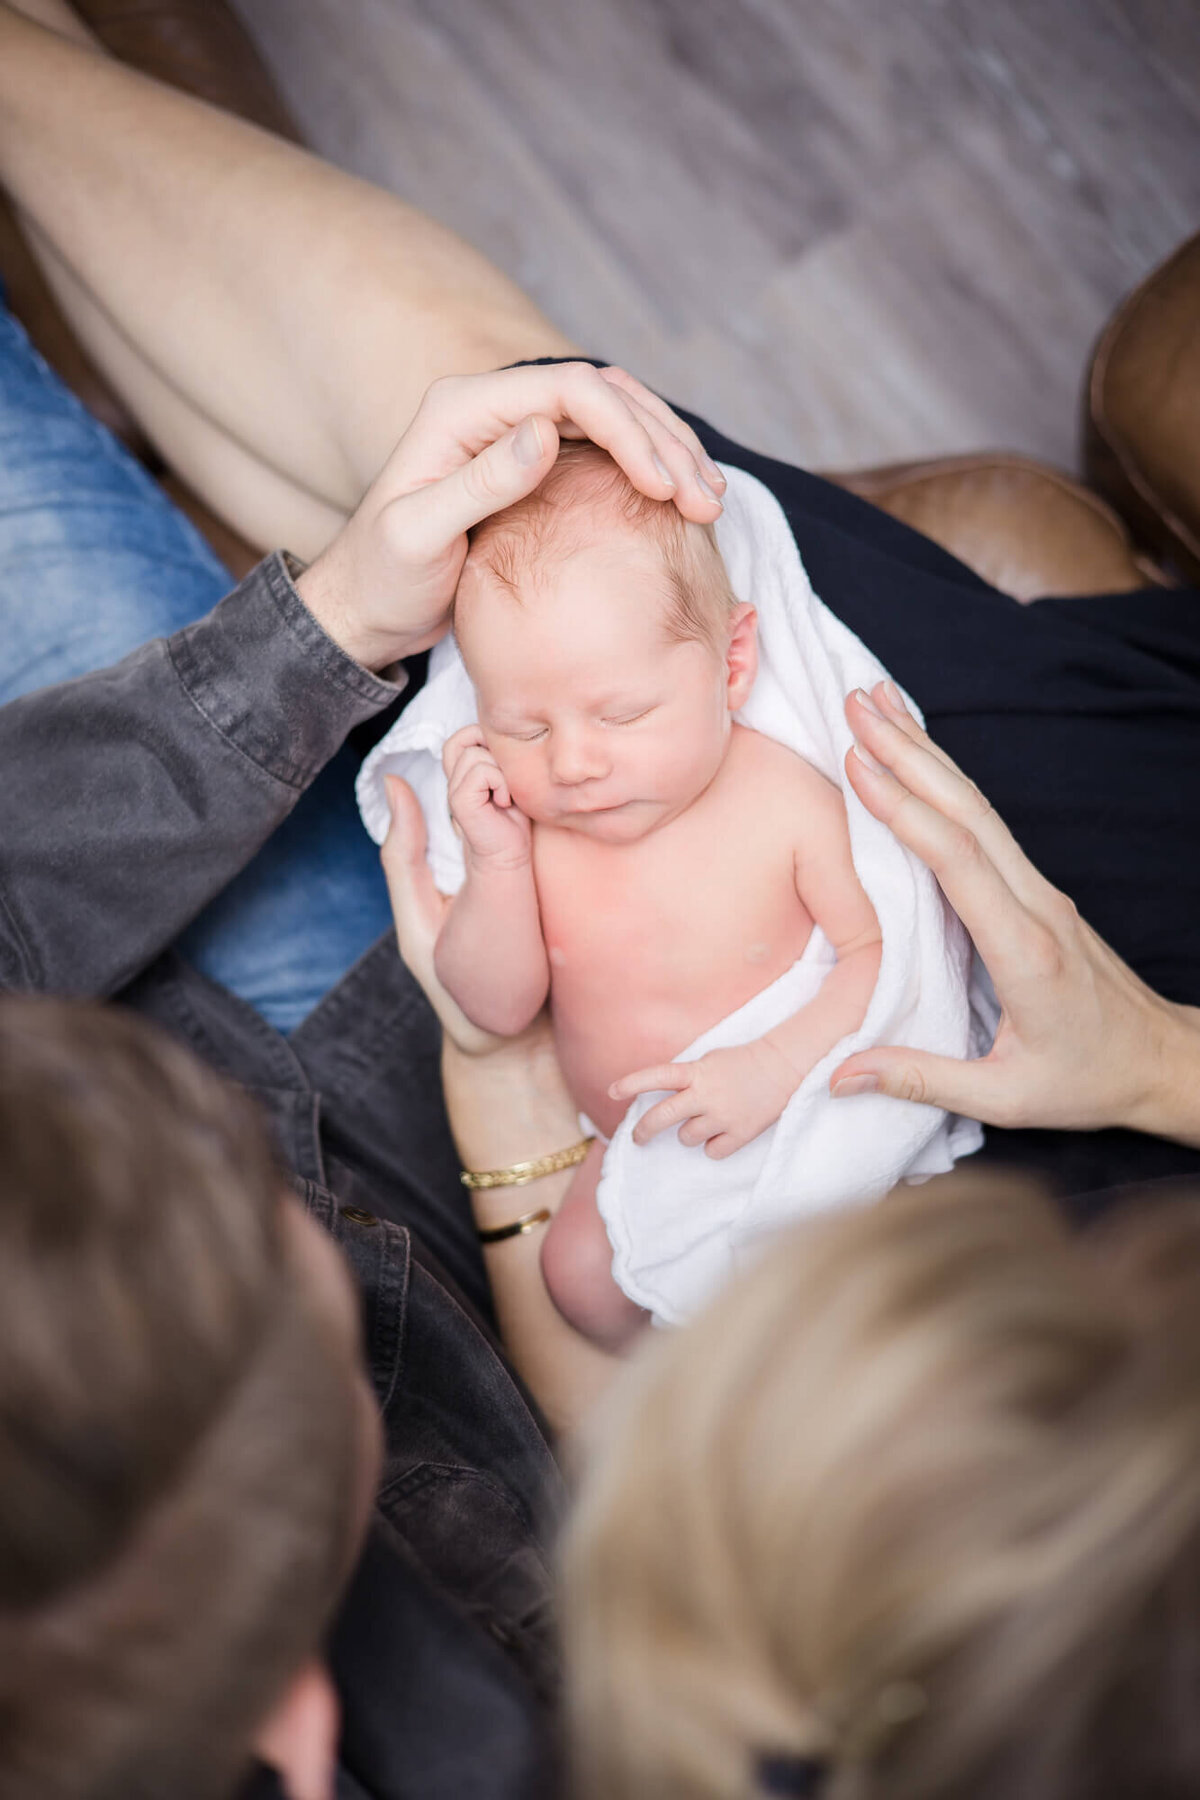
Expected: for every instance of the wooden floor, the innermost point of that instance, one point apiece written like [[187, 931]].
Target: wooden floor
[[847, 231]]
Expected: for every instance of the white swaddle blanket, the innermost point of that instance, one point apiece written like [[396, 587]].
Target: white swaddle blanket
[[678, 1221]]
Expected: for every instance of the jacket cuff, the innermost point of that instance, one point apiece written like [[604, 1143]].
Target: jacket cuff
[[271, 680]]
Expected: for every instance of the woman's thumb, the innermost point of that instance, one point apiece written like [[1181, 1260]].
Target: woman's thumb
[[415, 900], [915, 1075]]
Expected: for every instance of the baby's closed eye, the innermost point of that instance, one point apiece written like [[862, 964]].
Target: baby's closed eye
[[629, 718]]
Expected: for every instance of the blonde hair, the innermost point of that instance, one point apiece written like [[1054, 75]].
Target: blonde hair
[[585, 497], [918, 1496]]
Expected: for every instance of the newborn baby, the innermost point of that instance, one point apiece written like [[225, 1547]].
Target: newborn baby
[[630, 850]]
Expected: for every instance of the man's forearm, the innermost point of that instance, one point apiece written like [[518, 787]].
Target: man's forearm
[[490, 955], [131, 797]]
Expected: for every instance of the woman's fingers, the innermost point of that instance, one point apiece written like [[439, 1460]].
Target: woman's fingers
[[418, 906], [419, 910], [900, 748], [1018, 945]]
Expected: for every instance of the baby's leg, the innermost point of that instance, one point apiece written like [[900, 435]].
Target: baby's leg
[[577, 1265]]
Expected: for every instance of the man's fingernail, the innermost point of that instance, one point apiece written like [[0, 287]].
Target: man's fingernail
[[868, 761], [708, 492], [894, 697], [714, 474], [663, 470], [527, 445], [854, 1084], [864, 699]]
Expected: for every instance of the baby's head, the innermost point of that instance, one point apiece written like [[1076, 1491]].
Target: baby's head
[[606, 647]]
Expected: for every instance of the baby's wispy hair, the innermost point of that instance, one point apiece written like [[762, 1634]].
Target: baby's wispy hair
[[585, 496]]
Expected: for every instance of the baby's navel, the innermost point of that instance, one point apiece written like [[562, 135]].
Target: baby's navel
[[756, 953], [557, 957]]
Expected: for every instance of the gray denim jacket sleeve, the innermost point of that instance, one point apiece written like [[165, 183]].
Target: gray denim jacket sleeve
[[132, 796]]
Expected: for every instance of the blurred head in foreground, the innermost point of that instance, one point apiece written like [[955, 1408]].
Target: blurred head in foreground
[[912, 1512], [184, 1433]]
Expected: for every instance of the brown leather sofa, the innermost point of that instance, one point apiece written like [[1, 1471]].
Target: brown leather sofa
[[1028, 528]]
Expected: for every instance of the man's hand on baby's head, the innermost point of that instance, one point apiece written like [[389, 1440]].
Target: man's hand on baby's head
[[496, 834], [723, 1100]]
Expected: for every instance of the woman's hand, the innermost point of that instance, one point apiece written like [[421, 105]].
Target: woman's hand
[[383, 587], [507, 1103], [1082, 1042], [419, 911]]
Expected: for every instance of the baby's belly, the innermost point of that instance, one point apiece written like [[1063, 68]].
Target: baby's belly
[[607, 1029]]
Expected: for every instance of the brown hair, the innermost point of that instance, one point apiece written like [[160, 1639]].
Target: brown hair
[[176, 1443], [919, 1496], [585, 497]]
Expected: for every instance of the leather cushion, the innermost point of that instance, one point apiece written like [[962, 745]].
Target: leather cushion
[[1024, 527], [1143, 428]]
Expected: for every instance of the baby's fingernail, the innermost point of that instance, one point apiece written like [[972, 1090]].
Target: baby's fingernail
[[894, 697], [864, 699], [868, 761], [527, 445], [854, 1084], [663, 471]]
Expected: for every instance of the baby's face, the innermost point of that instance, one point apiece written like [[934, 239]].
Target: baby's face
[[599, 722]]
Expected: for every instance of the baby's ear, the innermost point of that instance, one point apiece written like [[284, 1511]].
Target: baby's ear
[[741, 658]]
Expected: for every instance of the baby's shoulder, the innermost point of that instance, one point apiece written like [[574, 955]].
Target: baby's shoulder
[[778, 771]]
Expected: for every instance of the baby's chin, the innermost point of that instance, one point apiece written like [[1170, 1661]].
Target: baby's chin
[[623, 824]]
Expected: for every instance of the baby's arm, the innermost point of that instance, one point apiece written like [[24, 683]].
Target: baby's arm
[[727, 1097], [828, 885], [490, 955]]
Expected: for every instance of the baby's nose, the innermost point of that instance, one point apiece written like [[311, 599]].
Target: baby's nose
[[575, 758]]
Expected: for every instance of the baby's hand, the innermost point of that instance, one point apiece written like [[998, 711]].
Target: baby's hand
[[722, 1100], [492, 828]]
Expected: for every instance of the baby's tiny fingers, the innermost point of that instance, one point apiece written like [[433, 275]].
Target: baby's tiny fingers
[[645, 1081], [721, 1146], [695, 1131], [464, 739], [474, 771], [661, 1117]]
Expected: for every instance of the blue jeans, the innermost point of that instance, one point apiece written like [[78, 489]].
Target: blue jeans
[[94, 560]]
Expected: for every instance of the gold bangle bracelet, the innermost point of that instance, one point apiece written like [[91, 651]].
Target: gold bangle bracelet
[[518, 1228], [519, 1174]]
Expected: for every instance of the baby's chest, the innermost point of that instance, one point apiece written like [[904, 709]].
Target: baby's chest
[[675, 920]]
